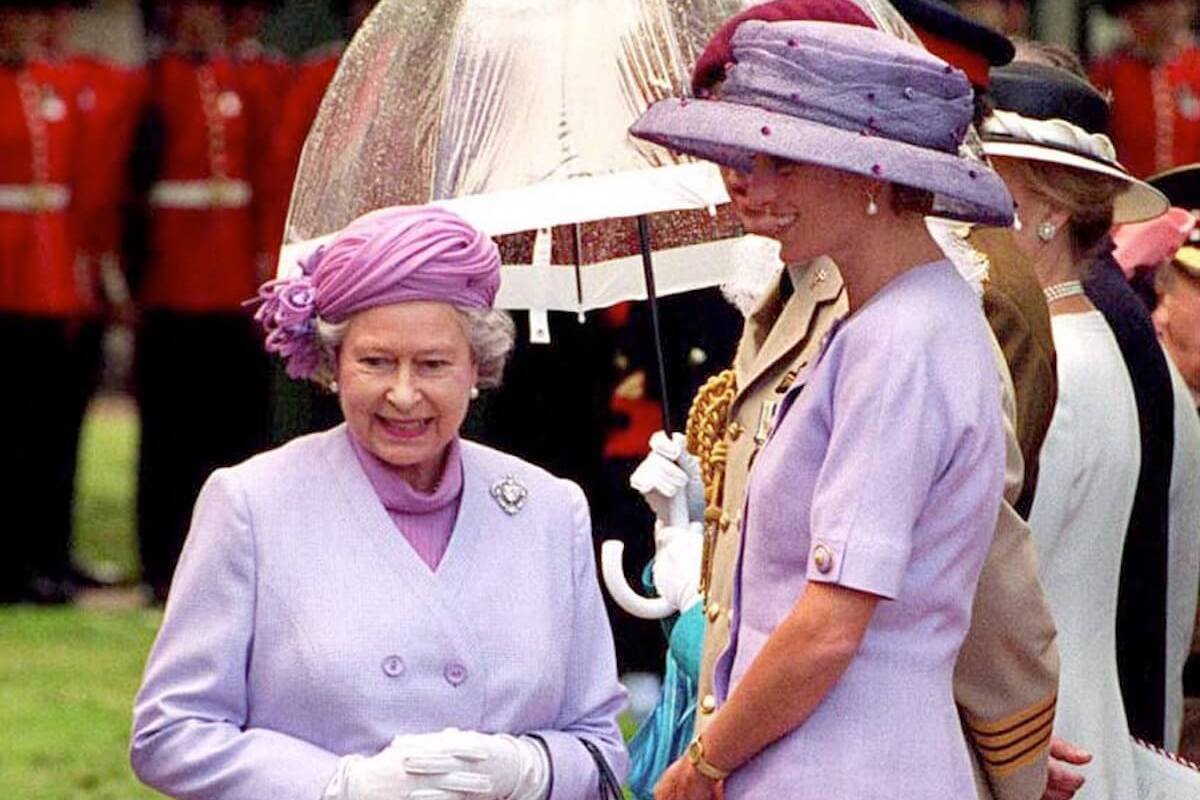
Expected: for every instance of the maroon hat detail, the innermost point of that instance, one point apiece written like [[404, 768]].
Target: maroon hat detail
[[718, 54]]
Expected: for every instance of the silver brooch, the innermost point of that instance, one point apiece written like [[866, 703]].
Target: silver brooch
[[510, 494]]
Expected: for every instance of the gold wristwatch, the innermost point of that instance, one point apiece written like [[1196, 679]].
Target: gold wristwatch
[[695, 757]]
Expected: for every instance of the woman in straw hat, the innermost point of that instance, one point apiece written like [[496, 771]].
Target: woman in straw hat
[[347, 601], [1047, 140], [871, 505]]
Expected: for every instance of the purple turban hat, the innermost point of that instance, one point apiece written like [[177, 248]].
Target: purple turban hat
[[393, 255]]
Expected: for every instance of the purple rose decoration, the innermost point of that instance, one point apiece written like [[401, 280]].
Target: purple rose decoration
[[288, 313]]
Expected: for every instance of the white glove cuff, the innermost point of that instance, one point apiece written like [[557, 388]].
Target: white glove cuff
[[338, 787], [533, 781]]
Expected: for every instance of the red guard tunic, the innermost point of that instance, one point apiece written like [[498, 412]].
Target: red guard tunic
[[38, 161], [202, 233], [1156, 108]]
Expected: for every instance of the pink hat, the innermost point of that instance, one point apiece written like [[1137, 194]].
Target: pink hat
[[1148, 244], [393, 255]]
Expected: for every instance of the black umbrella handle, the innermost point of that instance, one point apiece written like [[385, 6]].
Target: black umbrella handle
[[579, 270], [643, 226]]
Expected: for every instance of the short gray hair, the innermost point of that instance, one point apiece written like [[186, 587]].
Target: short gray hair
[[491, 335]]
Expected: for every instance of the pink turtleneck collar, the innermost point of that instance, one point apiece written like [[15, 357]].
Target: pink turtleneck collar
[[425, 519]]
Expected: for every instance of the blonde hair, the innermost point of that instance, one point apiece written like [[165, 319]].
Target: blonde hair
[[1087, 198]]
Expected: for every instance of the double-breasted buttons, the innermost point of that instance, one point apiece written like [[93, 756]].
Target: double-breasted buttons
[[735, 430], [714, 610], [455, 674], [393, 666], [724, 521], [708, 704], [822, 559]]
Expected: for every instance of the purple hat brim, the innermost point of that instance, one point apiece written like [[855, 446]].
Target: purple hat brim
[[731, 134]]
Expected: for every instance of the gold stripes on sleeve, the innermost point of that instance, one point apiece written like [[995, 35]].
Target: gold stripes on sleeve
[[1007, 744]]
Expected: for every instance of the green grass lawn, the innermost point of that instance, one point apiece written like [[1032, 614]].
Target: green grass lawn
[[104, 510], [67, 679], [68, 675]]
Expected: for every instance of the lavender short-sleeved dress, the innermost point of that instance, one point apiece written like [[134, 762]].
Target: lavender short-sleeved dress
[[884, 474]]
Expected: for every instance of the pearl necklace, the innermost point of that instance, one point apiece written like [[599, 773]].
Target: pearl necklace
[[1061, 291]]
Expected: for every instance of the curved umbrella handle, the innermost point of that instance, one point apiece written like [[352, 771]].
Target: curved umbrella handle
[[611, 554]]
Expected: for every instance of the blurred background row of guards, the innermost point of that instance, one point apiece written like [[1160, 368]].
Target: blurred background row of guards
[[147, 152]]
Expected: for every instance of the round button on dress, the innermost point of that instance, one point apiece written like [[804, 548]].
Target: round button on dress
[[455, 674], [393, 666]]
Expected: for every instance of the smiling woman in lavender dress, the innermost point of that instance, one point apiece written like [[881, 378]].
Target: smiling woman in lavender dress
[[871, 505], [384, 610]]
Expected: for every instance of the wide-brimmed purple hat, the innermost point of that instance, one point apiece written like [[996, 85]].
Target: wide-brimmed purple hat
[[841, 96]]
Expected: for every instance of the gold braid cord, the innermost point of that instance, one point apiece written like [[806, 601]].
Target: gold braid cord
[[706, 423]]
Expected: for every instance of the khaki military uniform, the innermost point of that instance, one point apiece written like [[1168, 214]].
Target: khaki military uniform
[[1017, 313], [1006, 679]]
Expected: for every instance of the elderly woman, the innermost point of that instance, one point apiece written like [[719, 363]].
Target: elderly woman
[[384, 610], [871, 505], [1047, 141]]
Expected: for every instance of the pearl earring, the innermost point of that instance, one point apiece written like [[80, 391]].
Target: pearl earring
[[333, 387], [1016, 226], [872, 207], [474, 393], [1046, 230]]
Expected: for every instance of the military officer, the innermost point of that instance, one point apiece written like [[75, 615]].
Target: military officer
[[105, 102], [44, 296], [201, 381]]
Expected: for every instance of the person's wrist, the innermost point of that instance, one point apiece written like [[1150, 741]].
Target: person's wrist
[[696, 757]]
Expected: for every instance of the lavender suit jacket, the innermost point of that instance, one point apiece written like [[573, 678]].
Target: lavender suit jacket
[[302, 627]]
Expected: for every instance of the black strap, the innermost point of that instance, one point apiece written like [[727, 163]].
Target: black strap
[[609, 787]]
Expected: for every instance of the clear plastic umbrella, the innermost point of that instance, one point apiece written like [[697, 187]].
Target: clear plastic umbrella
[[515, 114]]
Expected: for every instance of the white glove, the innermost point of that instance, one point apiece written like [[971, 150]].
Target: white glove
[[676, 569], [663, 473], [384, 776], [511, 768]]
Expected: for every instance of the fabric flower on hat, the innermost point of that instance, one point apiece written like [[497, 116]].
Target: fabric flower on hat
[[288, 312]]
